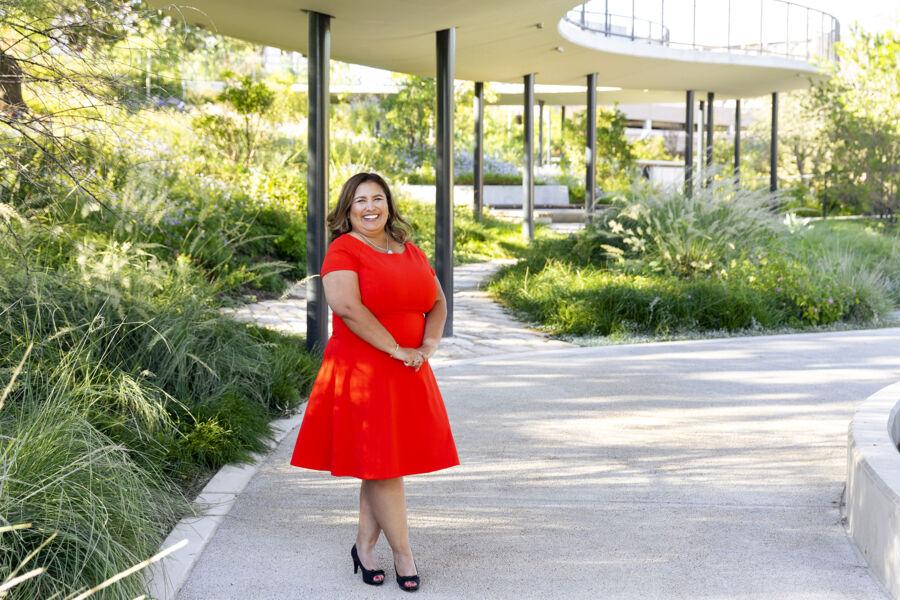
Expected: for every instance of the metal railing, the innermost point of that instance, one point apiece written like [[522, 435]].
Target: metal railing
[[755, 27], [626, 26]]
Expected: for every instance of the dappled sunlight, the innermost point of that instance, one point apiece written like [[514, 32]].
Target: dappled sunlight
[[608, 461], [791, 377]]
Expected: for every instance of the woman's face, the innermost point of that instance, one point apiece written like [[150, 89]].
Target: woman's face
[[368, 209]]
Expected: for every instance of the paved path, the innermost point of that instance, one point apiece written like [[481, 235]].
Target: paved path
[[481, 327], [684, 470]]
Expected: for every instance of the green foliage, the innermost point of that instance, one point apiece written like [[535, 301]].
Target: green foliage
[[472, 240], [651, 148], [408, 124], [94, 508], [858, 108], [246, 96], [665, 265], [862, 247], [615, 155], [136, 384], [672, 233], [466, 178], [238, 138]]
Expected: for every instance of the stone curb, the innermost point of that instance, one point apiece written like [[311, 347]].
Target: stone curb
[[871, 507], [166, 577]]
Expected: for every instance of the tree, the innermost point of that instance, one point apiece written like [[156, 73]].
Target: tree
[[408, 123], [861, 132], [55, 80], [615, 155]]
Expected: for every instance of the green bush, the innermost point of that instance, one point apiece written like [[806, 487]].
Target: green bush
[[681, 235], [466, 178], [98, 510], [136, 387], [667, 264], [473, 240]]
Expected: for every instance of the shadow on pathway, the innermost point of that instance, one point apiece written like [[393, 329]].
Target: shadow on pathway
[[704, 469]]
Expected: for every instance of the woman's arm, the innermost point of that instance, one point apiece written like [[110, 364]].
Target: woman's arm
[[342, 295], [434, 323]]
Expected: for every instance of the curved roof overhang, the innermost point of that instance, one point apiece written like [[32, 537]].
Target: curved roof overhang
[[496, 40]]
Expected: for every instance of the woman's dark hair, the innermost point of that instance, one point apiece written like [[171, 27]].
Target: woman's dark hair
[[339, 218]]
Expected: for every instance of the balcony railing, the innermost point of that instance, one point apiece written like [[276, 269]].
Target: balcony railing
[[755, 27]]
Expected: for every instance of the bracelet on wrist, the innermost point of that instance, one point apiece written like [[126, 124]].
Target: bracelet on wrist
[[394, 351]]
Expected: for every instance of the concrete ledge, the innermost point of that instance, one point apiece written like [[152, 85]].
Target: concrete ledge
[[166, 577], [872, 497]]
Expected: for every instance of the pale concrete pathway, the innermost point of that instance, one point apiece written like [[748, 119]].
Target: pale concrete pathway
[[685, 470]]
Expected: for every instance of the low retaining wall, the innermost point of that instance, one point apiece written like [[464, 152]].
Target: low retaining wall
[[872, 497], [494, 195]]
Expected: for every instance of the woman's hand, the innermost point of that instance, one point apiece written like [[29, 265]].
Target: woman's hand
[[427, 349], [411, 357]]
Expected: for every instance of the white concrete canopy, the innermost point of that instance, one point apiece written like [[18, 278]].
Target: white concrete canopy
[[497, 40]]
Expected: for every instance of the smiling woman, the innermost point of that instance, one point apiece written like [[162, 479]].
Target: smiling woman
[[367, 211], [375, 411]]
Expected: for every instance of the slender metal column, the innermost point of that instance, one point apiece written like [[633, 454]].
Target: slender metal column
[[737, 142], [689, 144], [562, 119], [317, 177], [701, 141], [590, 150], [549, 135], [773, 148], [478, 162], [528, 173], [709, 137], [443, 211], [540, 152]]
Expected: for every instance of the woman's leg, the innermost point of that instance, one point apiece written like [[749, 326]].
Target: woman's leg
[[388, 501], [368, 532]]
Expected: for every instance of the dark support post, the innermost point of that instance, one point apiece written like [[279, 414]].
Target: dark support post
[[528, 174], [689, 144], [701, 139], [562, 119], [443, 210], [478, 162], [540, 152], [590, 150], [549, 135], [317, 177], [773, 147], [709, 138], [737, 142]]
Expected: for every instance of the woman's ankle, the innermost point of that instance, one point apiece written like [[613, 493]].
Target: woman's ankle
[[365, 545]]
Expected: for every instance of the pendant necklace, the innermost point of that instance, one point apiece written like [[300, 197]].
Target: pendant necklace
[[374, 245]]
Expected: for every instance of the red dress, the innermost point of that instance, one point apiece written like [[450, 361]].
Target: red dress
[[369, 415]]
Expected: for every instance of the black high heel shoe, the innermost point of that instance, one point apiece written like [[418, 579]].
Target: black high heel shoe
[[367, 575], [403, 579]]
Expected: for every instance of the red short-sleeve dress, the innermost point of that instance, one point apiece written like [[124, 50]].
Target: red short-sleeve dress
[[369, 415]]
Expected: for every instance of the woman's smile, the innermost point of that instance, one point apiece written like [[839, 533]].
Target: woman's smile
[[369, 208]]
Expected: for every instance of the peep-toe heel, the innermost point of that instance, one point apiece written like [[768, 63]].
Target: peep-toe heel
[[403, 579], [367, 575]]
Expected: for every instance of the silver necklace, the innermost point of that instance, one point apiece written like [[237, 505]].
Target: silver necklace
[[374, 245]]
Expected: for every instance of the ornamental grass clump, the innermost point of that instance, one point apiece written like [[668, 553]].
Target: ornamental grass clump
[[135, 388], [669, 232], [94, 508], [664, 264]]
